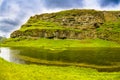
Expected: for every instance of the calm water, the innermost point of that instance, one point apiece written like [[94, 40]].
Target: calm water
[[89, 56]]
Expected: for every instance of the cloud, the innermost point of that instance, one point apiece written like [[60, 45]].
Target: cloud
[[92, 4], [63, 3], [112, 3], [1, 1], [8, 24], [13, 13]]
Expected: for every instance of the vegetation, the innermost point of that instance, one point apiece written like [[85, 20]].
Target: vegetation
[[40, 24], [60, 31], [110, 26], [2, 39], [73, 24], [11, 71], [57, 43], [110, 31]]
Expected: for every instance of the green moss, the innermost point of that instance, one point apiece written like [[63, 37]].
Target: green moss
[[110, 31], [113, 26], [40, 25], [11, 71]]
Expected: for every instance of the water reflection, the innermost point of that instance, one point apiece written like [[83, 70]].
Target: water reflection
[[9, 55], [94, 56], [102, 59]]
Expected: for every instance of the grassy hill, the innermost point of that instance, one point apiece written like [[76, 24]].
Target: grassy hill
[[72, 24]]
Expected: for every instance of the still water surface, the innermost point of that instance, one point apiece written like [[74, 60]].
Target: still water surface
[[89, 56]]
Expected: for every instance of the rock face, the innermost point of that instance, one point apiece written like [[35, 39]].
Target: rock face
[[58, 34], [72, 24]]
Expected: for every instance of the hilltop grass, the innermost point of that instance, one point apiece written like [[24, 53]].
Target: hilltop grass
[[11, 71], [58, 43]]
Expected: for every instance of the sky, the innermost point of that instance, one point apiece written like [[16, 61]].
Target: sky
[[14, 13]]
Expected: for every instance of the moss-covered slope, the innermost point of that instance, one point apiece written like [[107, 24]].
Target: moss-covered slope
[[73, 24]]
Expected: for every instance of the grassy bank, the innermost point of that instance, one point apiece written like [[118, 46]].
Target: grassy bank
[[58, 43], [11, 71]]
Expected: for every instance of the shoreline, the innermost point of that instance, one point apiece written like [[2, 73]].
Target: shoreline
[[60, 44]]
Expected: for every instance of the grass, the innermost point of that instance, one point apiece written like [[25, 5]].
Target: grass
[[58, 43], [11, 71], [110, 26], [46, 26], [40, 25]]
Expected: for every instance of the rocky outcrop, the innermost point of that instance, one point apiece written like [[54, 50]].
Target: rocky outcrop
[[70, 24], [54, 34], [79, 19]]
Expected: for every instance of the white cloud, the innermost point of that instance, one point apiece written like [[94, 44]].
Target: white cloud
[[91, 4], [1, 1]]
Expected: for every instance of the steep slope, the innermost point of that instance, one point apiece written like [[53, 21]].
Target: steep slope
[[72, 24]]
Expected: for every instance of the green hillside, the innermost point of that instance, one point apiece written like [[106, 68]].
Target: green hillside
[[73, 24]]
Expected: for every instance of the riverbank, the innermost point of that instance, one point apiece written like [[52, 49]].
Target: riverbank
[[11, 71], [58, 43]]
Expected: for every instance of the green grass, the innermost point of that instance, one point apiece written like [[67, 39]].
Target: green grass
[[11, 71], [110, 26], [45, 25], [58, 43], [40, 25]]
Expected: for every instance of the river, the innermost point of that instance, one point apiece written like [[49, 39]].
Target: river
[[87, 57]]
